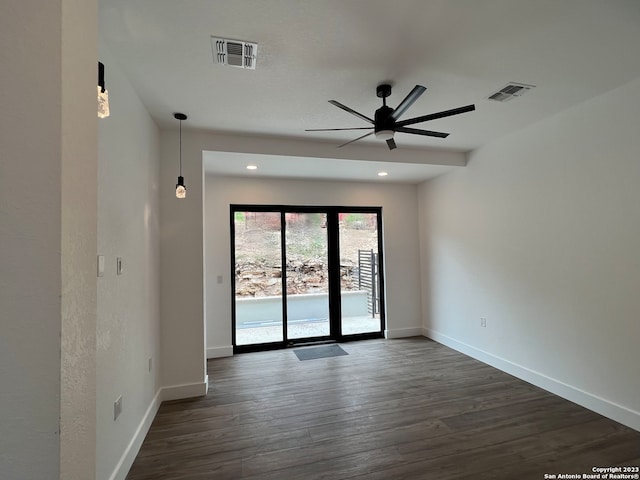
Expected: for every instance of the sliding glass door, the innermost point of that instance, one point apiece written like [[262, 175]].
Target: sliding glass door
[[360, 291], [305, 274], [258, 277]]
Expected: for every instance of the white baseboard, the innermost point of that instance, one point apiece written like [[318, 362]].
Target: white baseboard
[[163, 394], [611, 410], [218, 352], [187, 390], [403, 332], [130, 453]]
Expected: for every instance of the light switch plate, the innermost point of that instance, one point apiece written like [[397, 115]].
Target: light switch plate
[[101, 265], [117, 408]]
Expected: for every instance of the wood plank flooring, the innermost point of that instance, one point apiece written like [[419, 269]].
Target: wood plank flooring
[[391, 409]]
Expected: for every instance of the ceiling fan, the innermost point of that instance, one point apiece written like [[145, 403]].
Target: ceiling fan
[[386, 120]]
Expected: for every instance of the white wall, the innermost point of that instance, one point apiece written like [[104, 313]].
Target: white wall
[[79, 230], [400, 235], [30, 242], [128, 305], [540, 235], [48, 144], [181, 271]]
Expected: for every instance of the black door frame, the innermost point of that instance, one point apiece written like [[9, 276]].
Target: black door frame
[[333, 247]]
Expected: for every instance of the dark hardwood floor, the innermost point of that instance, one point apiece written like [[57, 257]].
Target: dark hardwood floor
[[391, 409]]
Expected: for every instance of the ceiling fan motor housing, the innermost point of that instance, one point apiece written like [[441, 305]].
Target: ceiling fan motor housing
[[384, 122]]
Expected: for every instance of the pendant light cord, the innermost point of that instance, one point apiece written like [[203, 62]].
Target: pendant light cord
[[180, 147]]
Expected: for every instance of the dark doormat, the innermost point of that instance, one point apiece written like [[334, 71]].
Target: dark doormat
[[319, 352]]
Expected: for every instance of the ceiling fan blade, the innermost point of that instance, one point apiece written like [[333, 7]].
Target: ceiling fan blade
[[433, 116], [351, 111], [391, 143], [426, 133], [334, 129], [408, 101], [351, 141]]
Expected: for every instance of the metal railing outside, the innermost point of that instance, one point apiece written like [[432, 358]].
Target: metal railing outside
[[368, 279]]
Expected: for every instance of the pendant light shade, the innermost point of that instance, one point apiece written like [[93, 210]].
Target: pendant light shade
[[181, 189], [103, 95]]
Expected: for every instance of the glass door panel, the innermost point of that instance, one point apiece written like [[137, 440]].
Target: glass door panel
[[258, 278], [307, 275], [359, 273]]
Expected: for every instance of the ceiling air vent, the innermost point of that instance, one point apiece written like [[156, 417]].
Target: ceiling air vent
[[512, 90], [235, 53]]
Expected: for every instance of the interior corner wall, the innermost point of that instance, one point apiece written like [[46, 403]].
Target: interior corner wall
[[128, 320], [181, 268], [400, 236], [539, 235]]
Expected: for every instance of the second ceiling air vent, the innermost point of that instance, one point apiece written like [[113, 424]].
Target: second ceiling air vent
[[235, 53], [511, 91]]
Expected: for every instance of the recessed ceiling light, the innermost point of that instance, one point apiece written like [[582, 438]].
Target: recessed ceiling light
[[252, 167], [382, 174]]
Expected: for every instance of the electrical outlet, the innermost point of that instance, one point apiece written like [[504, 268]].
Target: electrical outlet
[[117, 408], [150, 363], [483, 322]]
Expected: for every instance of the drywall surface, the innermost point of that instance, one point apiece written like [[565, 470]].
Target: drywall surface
[[539, 235], [181, 271], [400, 236], [30, 240], [128, 324], [79, 231], [48, 144]]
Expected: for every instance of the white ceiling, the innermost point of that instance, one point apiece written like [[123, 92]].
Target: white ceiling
[[295, 167], [311, 51]]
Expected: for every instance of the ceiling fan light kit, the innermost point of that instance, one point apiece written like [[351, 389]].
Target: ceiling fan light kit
[[384, 134], [386, 119]]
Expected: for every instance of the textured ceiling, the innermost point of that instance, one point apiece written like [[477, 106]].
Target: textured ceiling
[[311, 51]]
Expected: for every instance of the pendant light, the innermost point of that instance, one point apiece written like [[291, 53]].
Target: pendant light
[[181, 190], [103, 95]]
